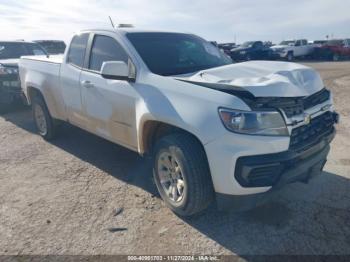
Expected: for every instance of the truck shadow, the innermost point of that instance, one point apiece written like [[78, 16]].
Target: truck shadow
[[105, 155], [301, 219]]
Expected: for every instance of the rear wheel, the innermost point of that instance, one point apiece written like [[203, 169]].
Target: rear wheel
[[43, 120], [181, 173]]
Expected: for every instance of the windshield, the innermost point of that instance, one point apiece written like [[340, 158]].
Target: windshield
[[53, 47], [287, 43], [320, 41], [10, 50], [175, 54], [247, 44], [335, 42]]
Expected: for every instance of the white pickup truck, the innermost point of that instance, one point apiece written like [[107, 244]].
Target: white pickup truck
[[290, 49], [215, 130]]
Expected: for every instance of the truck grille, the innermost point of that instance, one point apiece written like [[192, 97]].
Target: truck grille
[[316, 98], [293, 106], [306, 136]]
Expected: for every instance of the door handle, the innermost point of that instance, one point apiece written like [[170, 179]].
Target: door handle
[[87, 84]]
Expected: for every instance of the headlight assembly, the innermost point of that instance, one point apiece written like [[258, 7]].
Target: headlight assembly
[[268, 123]]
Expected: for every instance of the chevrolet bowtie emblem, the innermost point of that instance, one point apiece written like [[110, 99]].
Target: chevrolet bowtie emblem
[[307, 119]]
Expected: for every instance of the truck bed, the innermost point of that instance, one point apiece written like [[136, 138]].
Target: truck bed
[[43, 73]]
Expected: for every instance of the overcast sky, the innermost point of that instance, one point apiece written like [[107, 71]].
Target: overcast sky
[[220, 20]]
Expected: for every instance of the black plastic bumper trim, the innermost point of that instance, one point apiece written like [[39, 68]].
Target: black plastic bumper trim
[[280, 164]]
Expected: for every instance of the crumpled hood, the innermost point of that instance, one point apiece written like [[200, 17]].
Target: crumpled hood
[[9, 62], [263, 78]]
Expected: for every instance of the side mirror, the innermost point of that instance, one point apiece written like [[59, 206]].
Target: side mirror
[[118, 70]]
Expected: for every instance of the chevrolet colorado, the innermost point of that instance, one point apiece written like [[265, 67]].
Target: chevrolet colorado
[[215, 130]]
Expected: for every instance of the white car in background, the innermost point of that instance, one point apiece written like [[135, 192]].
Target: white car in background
[[215, 130], [289, 49]]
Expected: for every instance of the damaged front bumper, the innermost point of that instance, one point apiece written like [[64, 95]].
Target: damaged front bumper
[[247, 169], [274, 170]]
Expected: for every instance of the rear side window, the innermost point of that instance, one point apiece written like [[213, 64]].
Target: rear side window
[[77, 50], [104, 49]]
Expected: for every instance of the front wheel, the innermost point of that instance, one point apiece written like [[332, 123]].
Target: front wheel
[[290, 56], [181, 174], [43, 120]]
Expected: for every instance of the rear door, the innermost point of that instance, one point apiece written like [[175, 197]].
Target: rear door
[[70, 75], [109, 104]]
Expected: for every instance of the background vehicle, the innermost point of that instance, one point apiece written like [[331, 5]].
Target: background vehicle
[[318, 43], [214, 129], [291, 49], [52, 47], [226, 47], [10, 52], [335, 49], [252, 50]]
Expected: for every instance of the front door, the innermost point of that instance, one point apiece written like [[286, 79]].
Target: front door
[[109, 104]]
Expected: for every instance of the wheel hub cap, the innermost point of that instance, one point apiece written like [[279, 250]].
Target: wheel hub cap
[[40, 119], [171, 176]]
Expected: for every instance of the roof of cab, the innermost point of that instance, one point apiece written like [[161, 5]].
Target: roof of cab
[[128, 30]]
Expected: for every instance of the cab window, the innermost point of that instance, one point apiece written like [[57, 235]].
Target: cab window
[[104, 49], [258, 45], [77, 49]]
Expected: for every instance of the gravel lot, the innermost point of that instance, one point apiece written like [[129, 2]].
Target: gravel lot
[[62, 198]]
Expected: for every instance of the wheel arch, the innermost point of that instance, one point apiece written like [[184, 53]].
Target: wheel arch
[[152, 130], [32, 92]]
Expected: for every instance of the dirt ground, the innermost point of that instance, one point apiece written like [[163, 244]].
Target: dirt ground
[[62, 198]]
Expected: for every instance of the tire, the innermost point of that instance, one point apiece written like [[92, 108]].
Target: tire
[[188, 163], [290, 56], [42, 119]]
